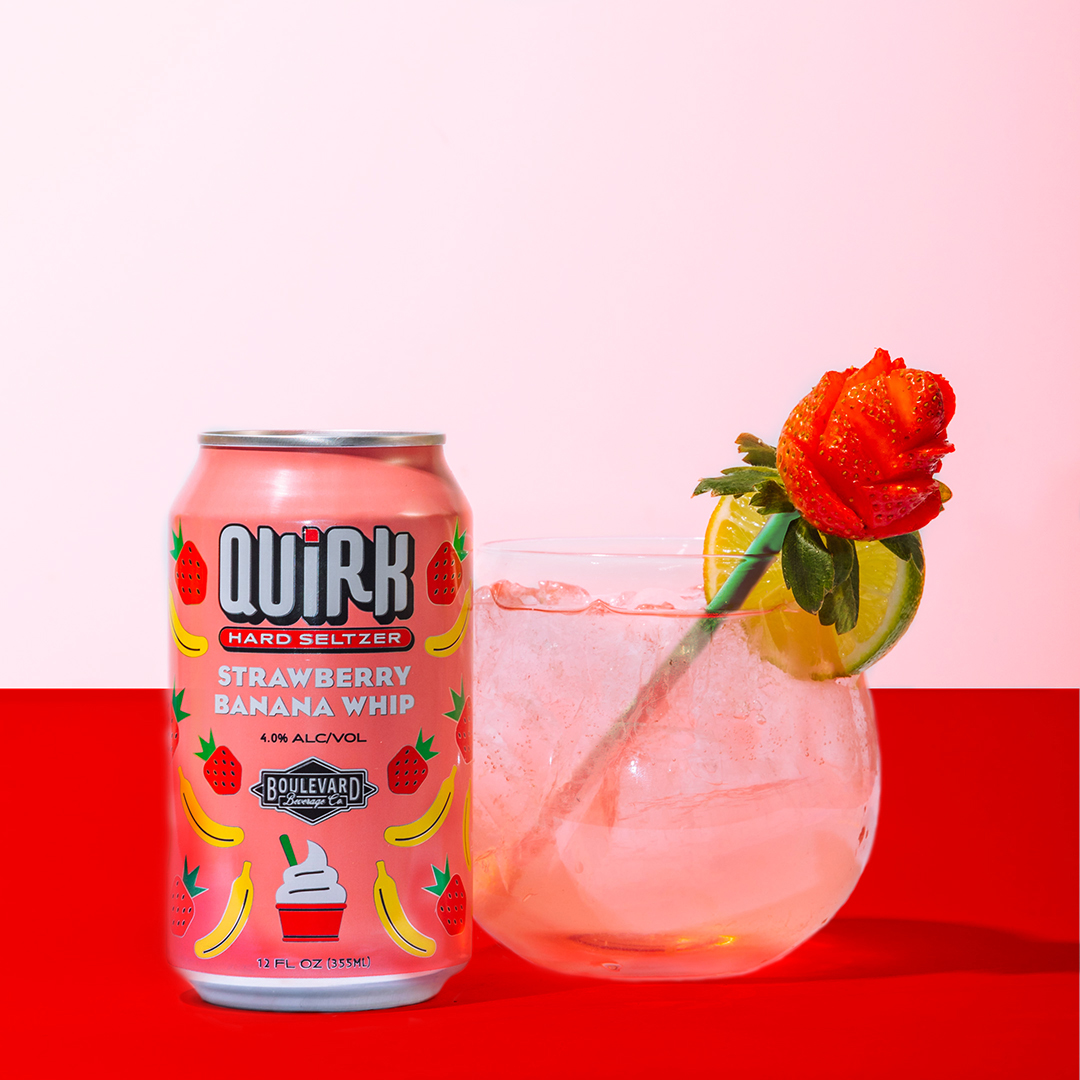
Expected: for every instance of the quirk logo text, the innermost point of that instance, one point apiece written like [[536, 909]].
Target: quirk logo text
[[314, 574]]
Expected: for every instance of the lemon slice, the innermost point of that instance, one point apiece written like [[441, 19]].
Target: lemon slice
[[793, 639]]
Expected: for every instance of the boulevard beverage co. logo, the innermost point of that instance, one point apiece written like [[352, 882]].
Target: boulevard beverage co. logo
[[314, 574], [313, 790]]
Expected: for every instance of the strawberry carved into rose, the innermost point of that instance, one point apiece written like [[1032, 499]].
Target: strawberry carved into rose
[[858, 454], [856, 460]]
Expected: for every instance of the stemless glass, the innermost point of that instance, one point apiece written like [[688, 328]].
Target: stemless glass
[[654, 797]]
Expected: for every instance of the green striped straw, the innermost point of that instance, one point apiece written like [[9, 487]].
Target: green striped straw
[[755, 561]]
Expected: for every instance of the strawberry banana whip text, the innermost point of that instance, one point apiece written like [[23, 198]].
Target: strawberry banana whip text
[[385, 704], [321, 696]]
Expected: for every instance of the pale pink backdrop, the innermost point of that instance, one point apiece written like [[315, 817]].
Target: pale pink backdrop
[[591, 241]]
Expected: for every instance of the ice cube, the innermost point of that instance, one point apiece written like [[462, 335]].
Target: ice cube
[[657, 601], [545, 596]]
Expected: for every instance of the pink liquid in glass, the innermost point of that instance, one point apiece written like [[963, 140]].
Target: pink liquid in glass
[[728, 828]]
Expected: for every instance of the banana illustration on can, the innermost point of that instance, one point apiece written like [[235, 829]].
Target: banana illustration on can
[[445, 644], [395, 922], [466, 825], [188, 644], [205, 826], [233, 919], [429, 822]]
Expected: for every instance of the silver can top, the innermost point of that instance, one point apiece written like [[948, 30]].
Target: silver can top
[[300, 440]]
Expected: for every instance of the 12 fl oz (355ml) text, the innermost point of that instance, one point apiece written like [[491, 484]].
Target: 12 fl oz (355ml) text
[[316, 963]]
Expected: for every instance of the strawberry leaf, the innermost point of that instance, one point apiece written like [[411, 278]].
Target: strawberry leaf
[[764, 471], [423, 746], [177, 540], [459, 542], [737, 481], [807, 565], [840, 608], [756, 452], [189, 881], [442, 879], [843, 555], [178, 705], [207, 747], [908, 547], [459, 703], [771, 497]]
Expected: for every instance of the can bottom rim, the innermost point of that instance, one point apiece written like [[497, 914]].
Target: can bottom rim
[[318, 995]]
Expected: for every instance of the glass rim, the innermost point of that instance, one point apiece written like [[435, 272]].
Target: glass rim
[[608, 547]]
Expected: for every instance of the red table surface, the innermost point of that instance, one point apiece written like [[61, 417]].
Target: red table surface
[[956, 956]]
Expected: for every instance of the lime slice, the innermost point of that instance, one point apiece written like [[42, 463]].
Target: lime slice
[[793, 639]]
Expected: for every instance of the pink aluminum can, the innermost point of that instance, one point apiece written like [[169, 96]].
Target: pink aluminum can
[[321, 738]]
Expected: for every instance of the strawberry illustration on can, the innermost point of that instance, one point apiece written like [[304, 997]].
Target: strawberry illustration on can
[[461, 714], [408, 770], [190, 569], [222, 771], [444, 570], [184, 891], [178, 714], [453, 903]]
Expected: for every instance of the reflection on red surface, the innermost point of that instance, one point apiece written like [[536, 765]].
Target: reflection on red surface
[[845, 949], [887, 948]]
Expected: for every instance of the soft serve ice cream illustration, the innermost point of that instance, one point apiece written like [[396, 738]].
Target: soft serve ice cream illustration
[[310, 900]]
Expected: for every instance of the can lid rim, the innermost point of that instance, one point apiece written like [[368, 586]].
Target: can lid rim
[[301, 439]]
